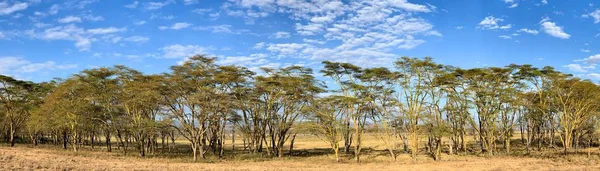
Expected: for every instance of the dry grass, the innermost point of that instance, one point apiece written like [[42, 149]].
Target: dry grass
[[25, 157]]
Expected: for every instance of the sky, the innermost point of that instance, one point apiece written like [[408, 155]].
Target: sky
[[44, 39]]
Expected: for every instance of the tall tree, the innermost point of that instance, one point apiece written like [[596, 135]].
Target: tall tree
[[285, 92], [16, 98], [344, 74], [187, 93], [413, 95], [577, 101]]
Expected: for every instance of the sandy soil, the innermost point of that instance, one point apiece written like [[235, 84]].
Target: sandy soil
[[24, 158]]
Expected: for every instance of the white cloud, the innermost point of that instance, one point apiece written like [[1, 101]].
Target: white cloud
[[525, 30], [190, 2], [493, 23], [68, 32], [576, 68], [214, 16], [309, 29], [459, 27], [513, 3], [15, 65], [137, 39], [157, 5], [37, 13], [182, 51], [139, 23], [116, 39], [70, 19], [552, 29], [585, 50], [362, 32], [132, 5], [93, 18], [7, 9], [82, 38], [176, 26], [504, 27], [323, 19], [259, 45], [404, 4], [286, 48], [544, 2], [201, 11], [595, 15], [9, 63], [222, 29], [108, 30], [281, 35], [80, 4], [313, 41], [248, 61], [505, 37], [593, 76], [591, 59], [54, 9]]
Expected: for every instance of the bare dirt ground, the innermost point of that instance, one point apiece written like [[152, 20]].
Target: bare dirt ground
[[26, 158]]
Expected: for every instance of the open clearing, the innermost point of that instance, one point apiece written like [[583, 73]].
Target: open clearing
[[26, 158]]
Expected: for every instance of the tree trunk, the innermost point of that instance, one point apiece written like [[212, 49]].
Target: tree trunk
[[438, 149], [108, 143], [233, 141], [414, 143], [93, 138], [292, 143], [12, 135], [507, 144], [195, 152], [65, 140]]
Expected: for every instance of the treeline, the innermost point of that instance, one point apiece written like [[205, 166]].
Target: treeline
[[206, 104]]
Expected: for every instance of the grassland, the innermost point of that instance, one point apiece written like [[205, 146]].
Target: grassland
[[311, 154]]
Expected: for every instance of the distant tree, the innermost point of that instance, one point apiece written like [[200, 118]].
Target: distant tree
[[344, 74], [379, 102], [187, 93], [285, 92], [68, 106], [17, 99], [327, 120], [141, 104], [102, 90], [577, 101], [413, 95]]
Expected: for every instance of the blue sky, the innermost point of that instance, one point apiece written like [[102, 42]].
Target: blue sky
[[42, 39]]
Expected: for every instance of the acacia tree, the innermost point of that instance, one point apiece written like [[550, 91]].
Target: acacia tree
[[140, 104], [511, 103], [487, 88], [539, 104], [378, 100], [185, 93], [285, 92], [344, 75], [17, 99], [67, 104], [328, 121], [457, 106], [102, 91], [577, 101], [39, 121], [438, 127], [413, 95]]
